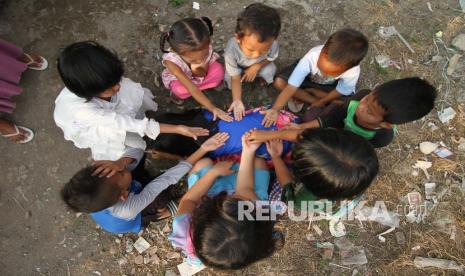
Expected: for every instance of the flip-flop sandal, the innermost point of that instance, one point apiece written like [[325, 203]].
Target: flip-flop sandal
[[295, 106], [27, 139], [43, 63]]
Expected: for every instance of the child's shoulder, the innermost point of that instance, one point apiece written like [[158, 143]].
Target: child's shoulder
[[232, 46], [315, 51]]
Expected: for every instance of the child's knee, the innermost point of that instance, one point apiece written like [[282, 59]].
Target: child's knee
[[260, 163], [280, 83], [216, 68], [178, 89], [268, 72], [202, 163]]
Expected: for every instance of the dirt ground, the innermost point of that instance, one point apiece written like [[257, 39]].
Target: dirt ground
[[40, 237]]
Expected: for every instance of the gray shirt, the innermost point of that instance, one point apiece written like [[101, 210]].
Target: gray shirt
[[235, 60], [135, 203]]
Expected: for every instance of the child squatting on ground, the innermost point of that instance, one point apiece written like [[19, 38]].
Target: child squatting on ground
[[207, 227], [118, 203], [251, 52], [324, 74], [191, 64], [104, 111], [370, 114]]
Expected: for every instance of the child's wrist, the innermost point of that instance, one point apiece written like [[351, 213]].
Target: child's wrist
[[276, 157]]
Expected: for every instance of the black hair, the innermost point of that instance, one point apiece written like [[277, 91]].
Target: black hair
[[405, 100], [260, 19], [88, 69], [223, 241], [189, 34], [87, 193], [179, 144], [334, 164], [346, 47]]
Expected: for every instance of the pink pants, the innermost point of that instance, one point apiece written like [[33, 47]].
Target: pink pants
[[10, 74], [213, 78]]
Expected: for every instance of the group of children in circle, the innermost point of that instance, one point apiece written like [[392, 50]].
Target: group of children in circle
[[327, 153]]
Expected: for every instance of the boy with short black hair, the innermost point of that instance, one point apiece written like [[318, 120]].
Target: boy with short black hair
[[324, 74], [370, 114], [251, 52], [327, 164], [102, 110], [117, 203]]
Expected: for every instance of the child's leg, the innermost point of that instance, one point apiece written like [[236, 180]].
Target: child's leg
[[214, 76], [301, 94], [268, 72], [212, 79], [179, 90]]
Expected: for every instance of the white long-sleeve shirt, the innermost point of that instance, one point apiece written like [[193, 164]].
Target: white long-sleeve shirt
[[106, 127]]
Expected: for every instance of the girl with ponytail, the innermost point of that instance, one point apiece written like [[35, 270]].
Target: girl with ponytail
[[191, 64]]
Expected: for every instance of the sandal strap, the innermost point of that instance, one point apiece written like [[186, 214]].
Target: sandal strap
[[31, 60], [172, 208], [12, 134]]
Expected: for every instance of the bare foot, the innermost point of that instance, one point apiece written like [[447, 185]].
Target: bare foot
[[164, 155], [36, 59], [9, 128]]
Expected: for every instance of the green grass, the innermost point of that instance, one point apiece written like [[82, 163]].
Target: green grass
[[177, 3]]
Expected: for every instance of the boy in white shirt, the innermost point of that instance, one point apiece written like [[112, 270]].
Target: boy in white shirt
[[324, 74], [101, 110]]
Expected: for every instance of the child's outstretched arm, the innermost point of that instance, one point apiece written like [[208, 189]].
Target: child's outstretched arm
[[271, 115], [237, 106], [194, 195], [198, 95], [245, 176], [261, 136], [135, 203], [192, 132], [275, 149]]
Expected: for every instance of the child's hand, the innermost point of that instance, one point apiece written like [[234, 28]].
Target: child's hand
[[215, 142], [292, 126], [218, 113], [238, 109], [223, 168], [271, 116], [107, 168], [317, 104], [275, 148], [251, 73], [193, 132], [257, 136], [247, 146]]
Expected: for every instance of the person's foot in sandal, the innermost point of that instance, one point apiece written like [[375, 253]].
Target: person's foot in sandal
[[34, 61], [170, 210], [16, 134]]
